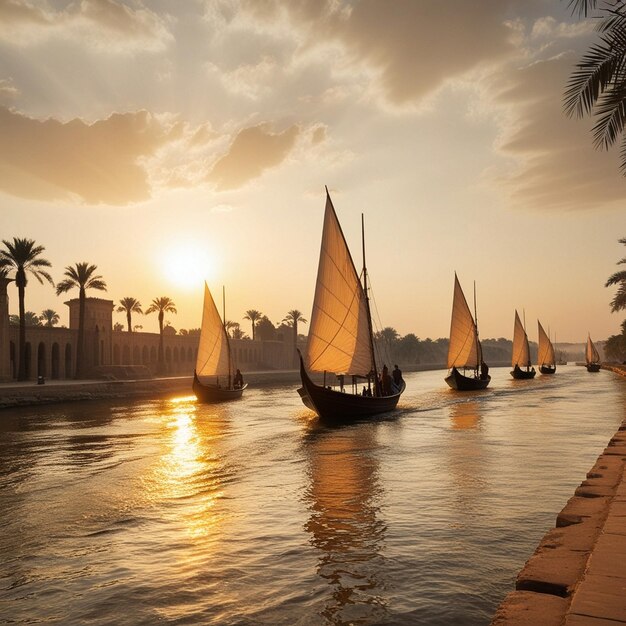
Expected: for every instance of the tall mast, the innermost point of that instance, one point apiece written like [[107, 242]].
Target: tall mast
[[479, 352], [367, 305], [226, 332]]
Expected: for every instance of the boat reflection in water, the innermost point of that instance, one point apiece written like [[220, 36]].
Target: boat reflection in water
[[343, 497]]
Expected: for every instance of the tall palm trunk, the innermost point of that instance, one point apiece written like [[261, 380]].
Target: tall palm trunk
[[81, 334], [20, 281], [128, 320], [161, 361]]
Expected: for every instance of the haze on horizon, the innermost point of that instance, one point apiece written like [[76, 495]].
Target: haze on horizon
[[172, 142]]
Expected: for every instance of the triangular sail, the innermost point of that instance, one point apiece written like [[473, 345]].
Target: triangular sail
[[545, 353], [521, 351], [591, 354], [213, 349], [339, 337], [464, 348]]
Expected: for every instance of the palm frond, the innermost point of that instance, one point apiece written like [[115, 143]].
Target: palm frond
[[582, 7], [615, 279], [66, 285], [619, 301]]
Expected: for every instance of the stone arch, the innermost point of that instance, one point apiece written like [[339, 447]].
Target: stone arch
[[136, 356], [68, 360], [190, 355], [55, 363], [125, 355], [28, 353], [153, 355], [145, 358], [116, 355], [12, 359]]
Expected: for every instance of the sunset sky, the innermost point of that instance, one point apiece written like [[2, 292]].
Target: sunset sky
[[170, 142]]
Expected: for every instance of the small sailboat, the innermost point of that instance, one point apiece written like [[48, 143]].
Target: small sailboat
[[464, 349], [214, 377], [521, 352], [340, 336], [545, 353], [592, 358]]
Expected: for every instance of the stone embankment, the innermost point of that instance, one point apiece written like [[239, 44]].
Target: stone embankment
[[30, 393], [577, 575]]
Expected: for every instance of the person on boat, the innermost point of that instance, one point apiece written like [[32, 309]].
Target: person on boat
[[484, 370], [386, 381], [397, 376], [238, 380]]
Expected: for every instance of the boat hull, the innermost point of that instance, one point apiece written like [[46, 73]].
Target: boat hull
[[211, 394], [340, 407], [458, 381], [546, 369], [593, 367], [520, 374]]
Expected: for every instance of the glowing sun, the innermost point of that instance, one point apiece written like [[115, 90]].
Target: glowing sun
[[188, 265]]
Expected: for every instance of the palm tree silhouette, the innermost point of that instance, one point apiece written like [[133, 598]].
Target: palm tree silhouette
[[292, 318], [619, 278], [50, 317], [129, 305], [254, 316], [598, 85], [83, 276], [22, 255], [161, 305]]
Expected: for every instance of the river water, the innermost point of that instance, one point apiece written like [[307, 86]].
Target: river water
[[172, 512]]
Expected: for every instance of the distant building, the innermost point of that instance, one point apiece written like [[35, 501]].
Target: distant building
[[51, 352]]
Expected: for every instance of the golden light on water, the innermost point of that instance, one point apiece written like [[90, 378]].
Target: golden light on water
[[187, 472]]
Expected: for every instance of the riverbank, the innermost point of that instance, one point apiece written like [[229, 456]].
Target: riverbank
[[577, 576]]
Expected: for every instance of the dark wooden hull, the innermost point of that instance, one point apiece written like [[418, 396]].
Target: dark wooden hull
[[458, 381], [593, 367], [546, 369], [340, 407], [212, 394], [520, 374]]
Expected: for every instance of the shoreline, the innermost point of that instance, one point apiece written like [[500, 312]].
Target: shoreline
[[576, 575]]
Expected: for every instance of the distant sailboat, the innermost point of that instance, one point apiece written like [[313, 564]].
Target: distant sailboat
[[521, 352], [592, 358], [340, 336], [214, 363], [464, 349], [545, 353]]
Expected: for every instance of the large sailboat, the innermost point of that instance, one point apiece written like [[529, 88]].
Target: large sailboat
[[340, 337], [545, 353], [521, 352], [592, 358], [214, 378], [464, 349]]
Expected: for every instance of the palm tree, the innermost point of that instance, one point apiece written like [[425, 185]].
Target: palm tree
[[50, 317], [228, 325], [30, 319], [254, 316], [22, 255], [161, 305], [292, 318], [129, 306], [619, 278], [83, 276], [598, 85], [238, 333]]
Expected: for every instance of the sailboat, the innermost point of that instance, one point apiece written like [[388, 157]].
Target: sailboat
[[521, 352], [592, 358], [545, 353], [213, 378], [340, 336], [464, 349]]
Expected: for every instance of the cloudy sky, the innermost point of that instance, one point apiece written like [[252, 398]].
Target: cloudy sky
[[168, 142]]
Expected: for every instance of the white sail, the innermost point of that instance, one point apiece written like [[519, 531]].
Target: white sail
[[339, 337], [213, 349], [464, 348], [545, 354], [521, 351], [591, 354]]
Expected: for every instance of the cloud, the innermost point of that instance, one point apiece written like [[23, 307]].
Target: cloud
[[104, 24], [557, 166], [8, 91], [254, 150], [97, 163]]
